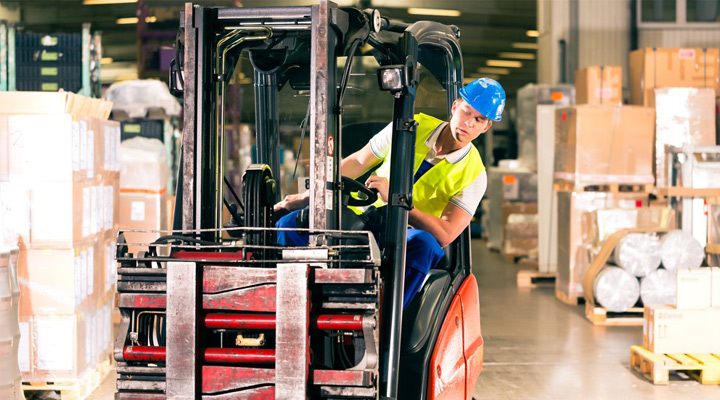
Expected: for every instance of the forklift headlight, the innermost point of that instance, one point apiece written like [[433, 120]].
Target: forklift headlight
[[392, 78]]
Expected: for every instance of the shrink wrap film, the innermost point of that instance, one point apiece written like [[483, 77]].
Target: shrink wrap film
[[638, 253], [658, 288], [616, 289], [680, 249], [597, 145]]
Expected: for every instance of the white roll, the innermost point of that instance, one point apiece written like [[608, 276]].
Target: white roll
[[616, 289], [659, 288], [680, 249], [638, 253]]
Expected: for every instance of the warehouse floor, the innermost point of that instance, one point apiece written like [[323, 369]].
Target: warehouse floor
[[538, 348]]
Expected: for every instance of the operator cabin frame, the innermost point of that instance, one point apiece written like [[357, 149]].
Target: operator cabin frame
[[203, 80]]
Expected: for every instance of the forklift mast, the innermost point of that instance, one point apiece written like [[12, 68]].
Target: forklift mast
[[205, 316]]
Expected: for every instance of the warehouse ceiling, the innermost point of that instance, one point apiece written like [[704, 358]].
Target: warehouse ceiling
[[496, 34]]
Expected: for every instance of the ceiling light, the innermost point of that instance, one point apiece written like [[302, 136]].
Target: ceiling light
[[504, 63], [527, 46], [150, 20], [101, 2], [106, 60], [434, 11], [520, 56], [127, 21], [532, 33], [498, 71]]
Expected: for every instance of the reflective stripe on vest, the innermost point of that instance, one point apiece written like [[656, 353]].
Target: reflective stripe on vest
[[433, 191]]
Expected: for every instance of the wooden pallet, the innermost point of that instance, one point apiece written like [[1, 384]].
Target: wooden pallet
[[570, 186], [704, 368], [531, 279], [601, 316], [78, 389], [569, 299]]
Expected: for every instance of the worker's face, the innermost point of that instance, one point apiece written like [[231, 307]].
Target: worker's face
[[466, 124]]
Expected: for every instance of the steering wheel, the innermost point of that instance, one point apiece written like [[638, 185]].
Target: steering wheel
[[358, 194]]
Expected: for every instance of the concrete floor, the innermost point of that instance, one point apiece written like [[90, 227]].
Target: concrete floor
[[538, 348]]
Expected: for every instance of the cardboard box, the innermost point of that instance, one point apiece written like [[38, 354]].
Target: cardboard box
[[573, 236], [56, 281], [715, 300], [667, 329], [110, 202], [14, 214], [141, 211], [44, 148], [35, 103], [694, 288], [684, 116], [671, 67], [604, 144], [599, 84], [64, 213]]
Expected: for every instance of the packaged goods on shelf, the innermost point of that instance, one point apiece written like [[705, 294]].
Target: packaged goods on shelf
[[667, 329], [575, 235], [528, 98], [652, 68], [604, 144], [684, 116], [599, 84]]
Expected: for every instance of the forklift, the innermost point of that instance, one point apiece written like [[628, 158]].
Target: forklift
[[215, 309]]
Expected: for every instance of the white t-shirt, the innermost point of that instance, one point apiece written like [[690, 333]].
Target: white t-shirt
[[469, 198]]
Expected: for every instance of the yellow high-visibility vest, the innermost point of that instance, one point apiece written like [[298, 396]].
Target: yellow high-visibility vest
[[433, 191]]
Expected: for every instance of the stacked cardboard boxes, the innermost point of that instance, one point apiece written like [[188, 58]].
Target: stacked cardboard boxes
[[60, 191], [600, 148]]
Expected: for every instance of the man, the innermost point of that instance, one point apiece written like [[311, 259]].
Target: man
[[449, 178]]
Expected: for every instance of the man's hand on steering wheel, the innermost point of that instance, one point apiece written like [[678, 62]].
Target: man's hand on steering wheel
[[380, 184]]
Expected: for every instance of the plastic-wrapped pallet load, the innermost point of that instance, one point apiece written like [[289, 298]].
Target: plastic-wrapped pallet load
[[521, 235], [684, 116], [516, 186], [638, 253], [135, 97], [680, 249], [143, 185], [10, 378], [616, 289], [658, 288]]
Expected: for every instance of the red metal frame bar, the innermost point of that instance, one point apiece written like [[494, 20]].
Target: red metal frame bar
[[258, 321], [213, 355]]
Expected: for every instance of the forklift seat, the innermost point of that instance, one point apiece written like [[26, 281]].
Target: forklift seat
[[422, 310]]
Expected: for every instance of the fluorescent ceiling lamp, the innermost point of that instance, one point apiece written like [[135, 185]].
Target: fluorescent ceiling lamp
[[497, 71], [527, 46], [106, 60], [434, 11], [127, 21], [101, 2], [504, 63], [519, 56], [532, 33], [134, 20]]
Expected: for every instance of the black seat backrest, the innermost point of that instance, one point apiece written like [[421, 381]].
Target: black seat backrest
[[457, 254], [423, 310]]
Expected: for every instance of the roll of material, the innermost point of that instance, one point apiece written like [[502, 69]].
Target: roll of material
[[659, 288], [680, 249], [638, 253], [616, 289], [10, 377]]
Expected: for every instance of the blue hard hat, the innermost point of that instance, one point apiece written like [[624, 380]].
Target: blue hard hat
[[486, 96]]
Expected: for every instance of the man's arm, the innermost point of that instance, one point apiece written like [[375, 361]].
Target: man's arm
[[353, 166], [445, 229]]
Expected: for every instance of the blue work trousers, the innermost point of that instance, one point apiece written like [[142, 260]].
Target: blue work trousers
[[423, 252]]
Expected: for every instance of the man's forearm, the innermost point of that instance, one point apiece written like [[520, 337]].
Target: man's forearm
[[444, 231]]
